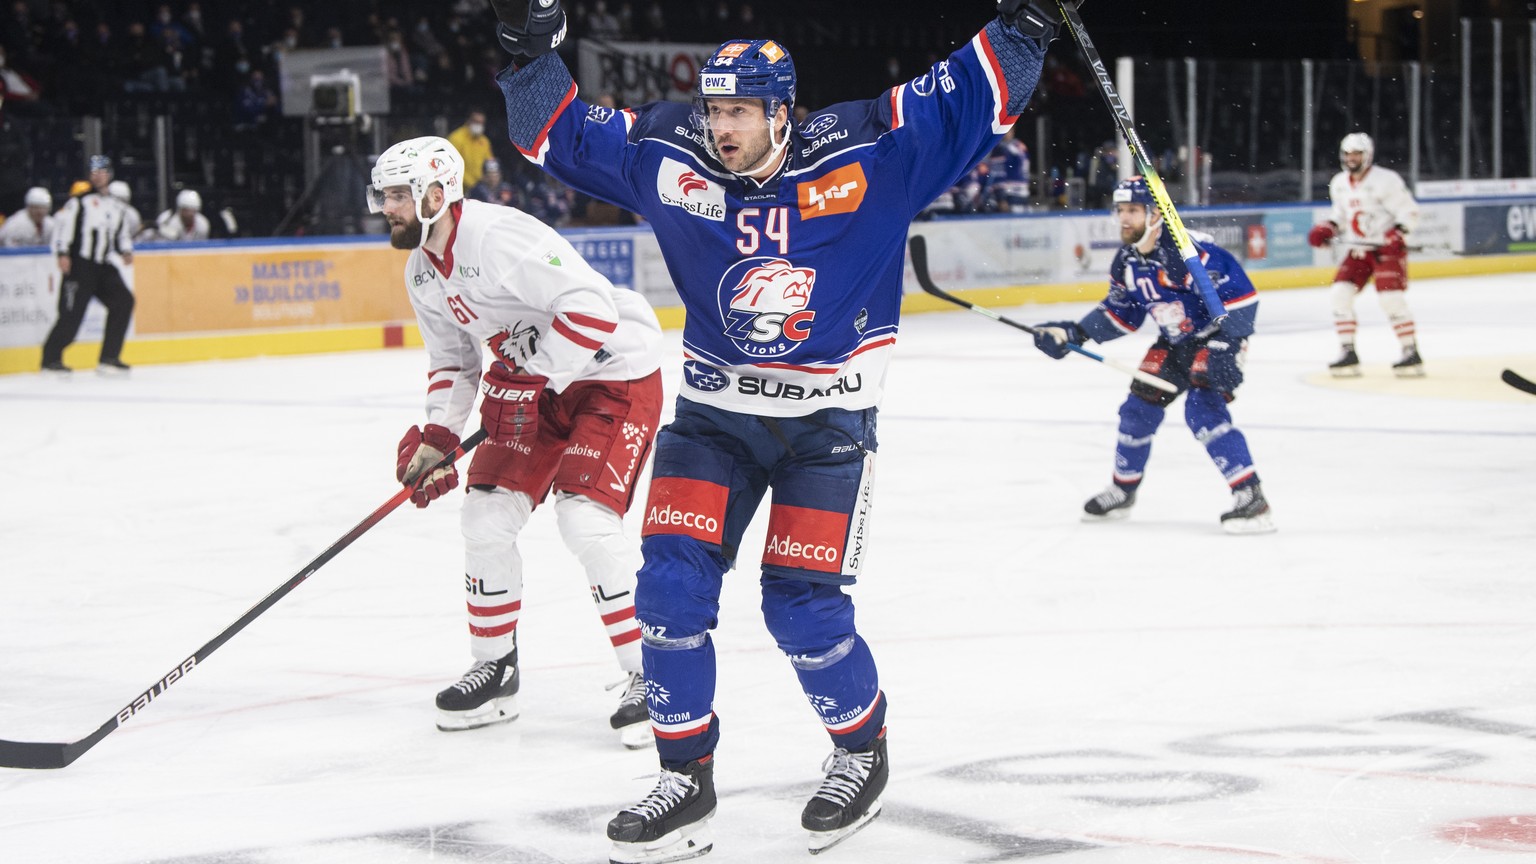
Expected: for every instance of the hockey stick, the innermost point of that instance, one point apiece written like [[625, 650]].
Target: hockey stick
[[1518, 382], [30, 754], [1433, 247], [919, 246], [1175, 225]]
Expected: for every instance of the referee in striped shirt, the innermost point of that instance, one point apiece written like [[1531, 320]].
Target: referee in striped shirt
[[87, 228]]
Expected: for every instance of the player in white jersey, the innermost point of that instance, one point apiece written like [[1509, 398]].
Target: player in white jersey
[[572, 403], [1372, 212], [185, 221], [33, 224]]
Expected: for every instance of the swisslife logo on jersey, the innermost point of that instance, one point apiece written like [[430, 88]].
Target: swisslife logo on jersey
[[840, 191], [763, 304], [678, 185]]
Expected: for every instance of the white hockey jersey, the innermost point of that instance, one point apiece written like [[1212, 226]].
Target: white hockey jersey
[[169, 227], [1365, 209], [20, 230], [511, 282]]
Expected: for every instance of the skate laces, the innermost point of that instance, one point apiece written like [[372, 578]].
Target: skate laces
[[846, 774], [1110, 497], [634, 689], [671, 789], [478, 676]]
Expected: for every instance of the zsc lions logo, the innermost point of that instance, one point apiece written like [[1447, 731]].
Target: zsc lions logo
[[819, 126], [763, 306], [702, 377]]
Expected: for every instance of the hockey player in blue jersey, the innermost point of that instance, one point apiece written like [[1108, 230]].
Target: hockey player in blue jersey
[[1148, 279], [787, 246]]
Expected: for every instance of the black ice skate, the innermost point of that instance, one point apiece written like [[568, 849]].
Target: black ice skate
[[112, 368], [486, 694], [1249, 514], [1410, 366], [1113, 503], [671, 823], [632, 719], [849, 797], [1348, 364]]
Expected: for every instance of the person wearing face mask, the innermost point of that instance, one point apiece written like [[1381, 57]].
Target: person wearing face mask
[[474, 145]]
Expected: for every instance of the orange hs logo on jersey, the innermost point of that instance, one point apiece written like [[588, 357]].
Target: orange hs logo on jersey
[[773, 52], [841, 191]]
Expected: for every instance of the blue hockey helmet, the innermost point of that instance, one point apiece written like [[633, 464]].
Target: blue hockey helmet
[[750, 69], [1134, 190]]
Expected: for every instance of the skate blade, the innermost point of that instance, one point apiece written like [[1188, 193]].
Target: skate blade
[[690, 841], [495, 711], [1345, 372], [637, 736], [1263, 523], [1111, 516], [821, 841], [1408, 371], [111, 372]]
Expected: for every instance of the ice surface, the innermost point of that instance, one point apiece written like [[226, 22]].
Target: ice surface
[[1357, 687]]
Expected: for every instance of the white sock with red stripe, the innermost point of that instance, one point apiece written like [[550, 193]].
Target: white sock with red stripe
[[595, 535], [493, 568], [1396, 306]]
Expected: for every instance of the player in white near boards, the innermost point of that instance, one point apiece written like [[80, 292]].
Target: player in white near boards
[[786, 243], [572, 402], [1372, 213]]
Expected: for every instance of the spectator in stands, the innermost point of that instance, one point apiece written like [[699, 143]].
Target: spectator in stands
[[232, 62], [473, 144], [17, 88], [184, 222], [494, 188], [333, 37], [602, 24], [139, 58], [165, 23], [654, 25], [256, 102], [180, 68], [33, 224], [397, 62]]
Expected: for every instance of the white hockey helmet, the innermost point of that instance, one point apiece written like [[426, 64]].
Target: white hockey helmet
[[119, 189], [188, 199], [1357, 142], [419, 163], [37, 196]]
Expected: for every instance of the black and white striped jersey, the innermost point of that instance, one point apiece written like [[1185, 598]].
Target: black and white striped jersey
[[91, 225]]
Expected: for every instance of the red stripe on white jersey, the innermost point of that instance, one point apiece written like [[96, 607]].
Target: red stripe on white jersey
[[445, 384], [492, 611], [830, 370], [565, 330], [498, 630], [622, 615], [589, 321], [625, 638]]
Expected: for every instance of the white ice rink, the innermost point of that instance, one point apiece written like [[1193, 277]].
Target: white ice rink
[[1358, 687]]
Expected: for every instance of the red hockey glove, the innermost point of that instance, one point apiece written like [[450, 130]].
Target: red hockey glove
[[1395, 246], [420, 449], [510, 410], [1321, 234]]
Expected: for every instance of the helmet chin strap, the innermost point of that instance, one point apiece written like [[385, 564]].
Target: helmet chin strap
[[427, 221], [773, 153]]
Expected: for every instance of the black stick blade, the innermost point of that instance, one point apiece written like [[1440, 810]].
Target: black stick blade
[[1518, 382], [26, 754]]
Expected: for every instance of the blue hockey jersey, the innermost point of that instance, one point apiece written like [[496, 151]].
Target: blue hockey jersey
[[792, 287], [1158, 286]]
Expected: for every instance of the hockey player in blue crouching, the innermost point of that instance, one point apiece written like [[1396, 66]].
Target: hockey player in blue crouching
[[1148, 279], [786, 243]]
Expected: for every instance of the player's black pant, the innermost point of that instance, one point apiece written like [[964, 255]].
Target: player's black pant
[[88, 279]]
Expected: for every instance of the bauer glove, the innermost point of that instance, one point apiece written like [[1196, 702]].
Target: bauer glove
[[529, 28], [510, 409]]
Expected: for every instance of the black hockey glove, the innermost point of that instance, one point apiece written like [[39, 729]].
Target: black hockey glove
[[529, 28], [1036, 19], [1053, 337]]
